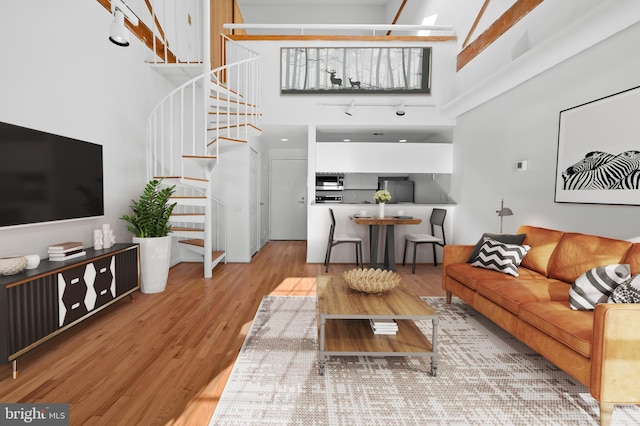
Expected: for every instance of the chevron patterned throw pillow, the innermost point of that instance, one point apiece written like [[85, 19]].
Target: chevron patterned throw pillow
[[501, 257], [627, 292], [596, 285]]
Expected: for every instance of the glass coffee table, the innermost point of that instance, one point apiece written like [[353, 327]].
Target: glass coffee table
[[343, 318]]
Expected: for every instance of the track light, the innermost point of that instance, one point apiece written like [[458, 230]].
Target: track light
[[349, 110], [400, 109], [118, 34]]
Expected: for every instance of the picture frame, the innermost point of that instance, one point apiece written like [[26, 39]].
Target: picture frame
[[350, 70], [598, 158]]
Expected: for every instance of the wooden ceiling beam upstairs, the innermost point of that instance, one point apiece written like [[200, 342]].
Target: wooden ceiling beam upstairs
[[519, 10], [145, 35], [395, 19], [339, 38], [475, 23]]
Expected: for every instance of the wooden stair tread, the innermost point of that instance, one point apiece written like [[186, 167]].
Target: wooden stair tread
[[224, 88], [234, 101], [231, 126], [200, 157], [200, 243], [234, 113], [180, 177], [226, 139], [185, 229]]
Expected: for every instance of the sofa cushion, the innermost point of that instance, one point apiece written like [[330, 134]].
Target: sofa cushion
[[503, 238], [633, 258], [627, 292], [558, 320], [500, 257], [596, 285], [542, 241], [469, 276], [578, 253], [511, 294]]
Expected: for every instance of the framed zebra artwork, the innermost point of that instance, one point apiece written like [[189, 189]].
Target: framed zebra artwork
[[351, 70], [599, 151]]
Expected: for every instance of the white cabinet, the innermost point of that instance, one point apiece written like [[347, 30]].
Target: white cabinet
[[353, 157]]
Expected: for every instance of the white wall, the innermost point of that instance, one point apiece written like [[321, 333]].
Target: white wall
[[61, 74], [523, 124], [335, 14], [328, 109]]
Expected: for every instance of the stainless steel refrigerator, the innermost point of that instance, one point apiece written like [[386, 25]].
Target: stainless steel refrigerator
[[401, 190]]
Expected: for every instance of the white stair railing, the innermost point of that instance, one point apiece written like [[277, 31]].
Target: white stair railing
[[183, 37], [189, 129], [235, 94]]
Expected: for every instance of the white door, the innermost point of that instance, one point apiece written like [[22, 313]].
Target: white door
[[254, 202], [288, 204]]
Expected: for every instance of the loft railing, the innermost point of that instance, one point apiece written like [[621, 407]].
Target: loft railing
[[185, 37]]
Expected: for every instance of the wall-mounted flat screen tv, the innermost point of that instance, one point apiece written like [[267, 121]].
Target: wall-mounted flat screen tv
[[46, 177]]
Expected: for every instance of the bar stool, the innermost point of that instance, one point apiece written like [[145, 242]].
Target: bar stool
[[335, 239], [437, 219]]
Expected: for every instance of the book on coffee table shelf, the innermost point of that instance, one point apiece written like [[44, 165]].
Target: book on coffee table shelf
[[383, 326]]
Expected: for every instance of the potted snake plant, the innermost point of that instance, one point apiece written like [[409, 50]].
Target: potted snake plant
[[149, 224]]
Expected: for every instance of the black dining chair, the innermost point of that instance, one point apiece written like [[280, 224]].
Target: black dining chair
[[335, 239], [436, 220]]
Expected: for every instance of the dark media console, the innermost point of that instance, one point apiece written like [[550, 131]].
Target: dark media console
[[41, 303]]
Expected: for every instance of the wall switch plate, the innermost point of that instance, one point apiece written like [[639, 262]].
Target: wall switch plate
[[522, 165]]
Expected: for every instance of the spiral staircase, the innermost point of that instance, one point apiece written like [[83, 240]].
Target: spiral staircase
[[188, 134]]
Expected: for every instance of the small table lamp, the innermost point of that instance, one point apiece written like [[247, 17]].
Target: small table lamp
[[504, 211]]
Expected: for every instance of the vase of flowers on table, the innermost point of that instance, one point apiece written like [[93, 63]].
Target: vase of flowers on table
[[381, 197]]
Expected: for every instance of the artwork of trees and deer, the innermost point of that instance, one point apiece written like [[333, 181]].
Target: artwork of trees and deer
[[343, 70]]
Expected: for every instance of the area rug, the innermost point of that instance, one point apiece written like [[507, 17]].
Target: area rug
[[485, 377]]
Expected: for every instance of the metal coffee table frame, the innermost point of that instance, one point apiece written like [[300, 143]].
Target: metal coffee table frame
[[343, 323]]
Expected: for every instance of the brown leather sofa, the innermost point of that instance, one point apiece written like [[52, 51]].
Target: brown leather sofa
[[599, 348]]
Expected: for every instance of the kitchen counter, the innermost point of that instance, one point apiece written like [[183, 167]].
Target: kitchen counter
[[389, 205]]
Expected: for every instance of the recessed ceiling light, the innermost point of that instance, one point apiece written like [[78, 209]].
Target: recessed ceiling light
[[284, 140], [402, 140], [346, 140]]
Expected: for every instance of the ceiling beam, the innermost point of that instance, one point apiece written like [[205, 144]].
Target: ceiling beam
[[519, 10], [475, 23], [395, 20]]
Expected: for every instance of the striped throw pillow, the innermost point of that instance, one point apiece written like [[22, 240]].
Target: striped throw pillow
[[596, 285], [501, 257]]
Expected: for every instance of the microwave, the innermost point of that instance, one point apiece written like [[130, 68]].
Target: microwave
[[330, 182]]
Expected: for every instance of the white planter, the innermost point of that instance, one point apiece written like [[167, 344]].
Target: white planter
[[381, 210], [155, 258]]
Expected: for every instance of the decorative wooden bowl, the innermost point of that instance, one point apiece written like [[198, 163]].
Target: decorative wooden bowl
[[12, 265], [371, 280]]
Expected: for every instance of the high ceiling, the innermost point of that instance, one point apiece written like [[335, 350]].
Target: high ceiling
[[318, 11]]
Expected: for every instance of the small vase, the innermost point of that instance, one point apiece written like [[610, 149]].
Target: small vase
[[381, 210]]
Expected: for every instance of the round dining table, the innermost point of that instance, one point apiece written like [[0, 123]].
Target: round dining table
[[388, 222]]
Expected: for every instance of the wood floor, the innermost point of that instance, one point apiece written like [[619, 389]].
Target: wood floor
[[164, 359]]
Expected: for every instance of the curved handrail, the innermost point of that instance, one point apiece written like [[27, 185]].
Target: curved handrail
[[184, 115]]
